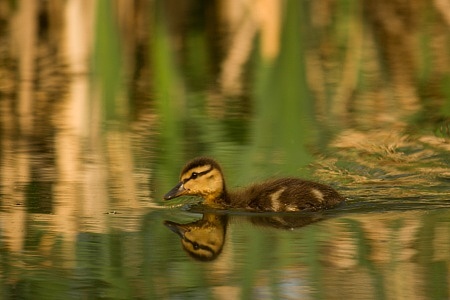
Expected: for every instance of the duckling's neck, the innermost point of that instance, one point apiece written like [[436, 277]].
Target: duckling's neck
[[220, 198]]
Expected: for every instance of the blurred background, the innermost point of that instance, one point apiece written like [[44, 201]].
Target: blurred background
[[102, 102]]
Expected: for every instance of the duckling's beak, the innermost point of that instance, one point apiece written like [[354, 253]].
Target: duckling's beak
[[178, 190], [175, 227]]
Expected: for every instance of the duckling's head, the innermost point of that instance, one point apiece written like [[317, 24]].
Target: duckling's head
[[202, 177]]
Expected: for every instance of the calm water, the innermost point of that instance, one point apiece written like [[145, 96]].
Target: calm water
[[102, 102]]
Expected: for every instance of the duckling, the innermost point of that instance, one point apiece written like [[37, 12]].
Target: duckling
[[203, 177]]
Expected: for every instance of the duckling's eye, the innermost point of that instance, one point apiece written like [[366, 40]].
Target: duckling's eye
[[194, 175], [195, 245]]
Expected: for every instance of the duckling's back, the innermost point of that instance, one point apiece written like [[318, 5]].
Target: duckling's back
[[286, 194]]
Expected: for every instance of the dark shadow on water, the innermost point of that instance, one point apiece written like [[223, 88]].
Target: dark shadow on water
[[387, 204], [204, 239]]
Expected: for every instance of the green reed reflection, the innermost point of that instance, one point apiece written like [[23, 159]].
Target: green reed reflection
[[168, 96], [107, 64], [283, 127]]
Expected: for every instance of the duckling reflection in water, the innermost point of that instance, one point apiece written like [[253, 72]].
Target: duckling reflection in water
[[203, 177], [204, 239]]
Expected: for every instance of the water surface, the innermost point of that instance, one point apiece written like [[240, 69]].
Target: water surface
[[102, 103]]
